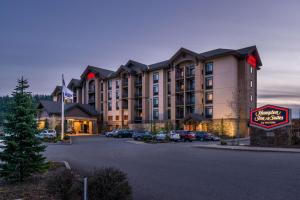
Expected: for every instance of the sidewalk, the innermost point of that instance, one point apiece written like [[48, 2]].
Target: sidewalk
[[248, 148]]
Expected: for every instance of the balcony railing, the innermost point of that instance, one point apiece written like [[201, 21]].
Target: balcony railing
[[138, 94], [179, 102], [179, 89], [138, 82], [125, 83], [138, 106], [125, 95]]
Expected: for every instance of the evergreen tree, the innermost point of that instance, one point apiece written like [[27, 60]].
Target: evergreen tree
[[22, 154]]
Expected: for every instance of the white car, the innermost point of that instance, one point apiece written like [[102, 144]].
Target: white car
[[50, 133], [174, 136]]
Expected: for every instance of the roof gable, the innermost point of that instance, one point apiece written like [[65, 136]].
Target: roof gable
[[52, 107]]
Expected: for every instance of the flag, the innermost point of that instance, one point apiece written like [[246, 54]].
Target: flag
[[67, 93]]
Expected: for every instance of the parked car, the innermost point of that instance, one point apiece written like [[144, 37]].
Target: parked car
[[123, 134], [174, 136], [48, 133], [213, 137], [202, 135], [161, 136], [110, 134], [142, 135], [205, 136], [186, 135]]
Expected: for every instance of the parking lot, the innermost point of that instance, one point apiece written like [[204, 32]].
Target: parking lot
[[180, 171]]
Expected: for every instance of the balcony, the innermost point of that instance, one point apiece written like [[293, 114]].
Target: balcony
[[179, 76], [180, 89], [138, 94], [138, 119], [190, 87], [138, 106], [125, 95], [138, 82], [190, 102], [92, 90], [190, 74], [179, 102], [125, 83]]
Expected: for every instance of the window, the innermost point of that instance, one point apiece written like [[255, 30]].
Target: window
[[169, 76], [109, 86], [101, 96], [251, 98], [155, 102], [101, 86], [155, 89], [101, 106], [251, 70], [208, 97], [110, 118], [155, 77], [125, 117], [209, 83], [117, 118], [117, 94], [169, 114], [109, 105], [155, 114], [209, 112], [117, 84], [109, 95], [251, 83], [208, 68], [117, 105], [169, 88], [190, 71], [169, 101]]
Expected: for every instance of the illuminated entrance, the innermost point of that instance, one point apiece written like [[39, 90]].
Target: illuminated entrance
[[77, 126]]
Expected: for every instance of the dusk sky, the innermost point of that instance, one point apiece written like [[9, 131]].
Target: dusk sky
[[43, 39]]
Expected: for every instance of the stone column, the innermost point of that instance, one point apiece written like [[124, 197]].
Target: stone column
[[145, 100], [131, 98]]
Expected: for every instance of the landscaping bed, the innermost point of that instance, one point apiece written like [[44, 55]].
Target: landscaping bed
[[33, 188]]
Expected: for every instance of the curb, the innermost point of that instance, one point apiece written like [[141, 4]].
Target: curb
[[235, 148], [67, 165]]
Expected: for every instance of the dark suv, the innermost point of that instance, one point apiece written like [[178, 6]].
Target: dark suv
[[123, 134]]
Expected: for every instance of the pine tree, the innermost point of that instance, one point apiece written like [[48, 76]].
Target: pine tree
[[22, 155]]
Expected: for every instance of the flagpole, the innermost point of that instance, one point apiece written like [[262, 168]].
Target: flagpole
[[62, 109]]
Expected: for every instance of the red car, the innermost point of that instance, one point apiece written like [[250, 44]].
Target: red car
[[186, 135]]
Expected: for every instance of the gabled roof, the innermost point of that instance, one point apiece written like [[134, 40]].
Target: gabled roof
[[216, 52], [53, 107], [74, 83], [56, 90], [103, 73], [130, 67], [159, 65], [238, 53], [184, 50]]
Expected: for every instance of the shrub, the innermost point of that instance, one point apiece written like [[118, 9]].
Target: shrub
[[109, 184], [63, 184]]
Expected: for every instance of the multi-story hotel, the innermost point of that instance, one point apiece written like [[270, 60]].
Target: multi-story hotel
[[212, 91]]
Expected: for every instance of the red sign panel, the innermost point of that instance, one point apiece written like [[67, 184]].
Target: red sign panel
[[269, 117], [251, 60], [90, 75]]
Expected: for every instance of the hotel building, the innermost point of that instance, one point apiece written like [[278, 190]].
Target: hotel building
[[211, 91]]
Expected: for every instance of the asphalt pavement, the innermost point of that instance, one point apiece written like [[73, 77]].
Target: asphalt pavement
[[179, 171]]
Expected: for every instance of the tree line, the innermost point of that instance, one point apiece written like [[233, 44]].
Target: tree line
[[6, 100]]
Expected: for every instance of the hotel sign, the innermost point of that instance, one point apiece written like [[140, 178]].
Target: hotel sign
[[270, 117]]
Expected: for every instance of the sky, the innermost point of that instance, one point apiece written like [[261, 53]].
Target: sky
[[41, 40]]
